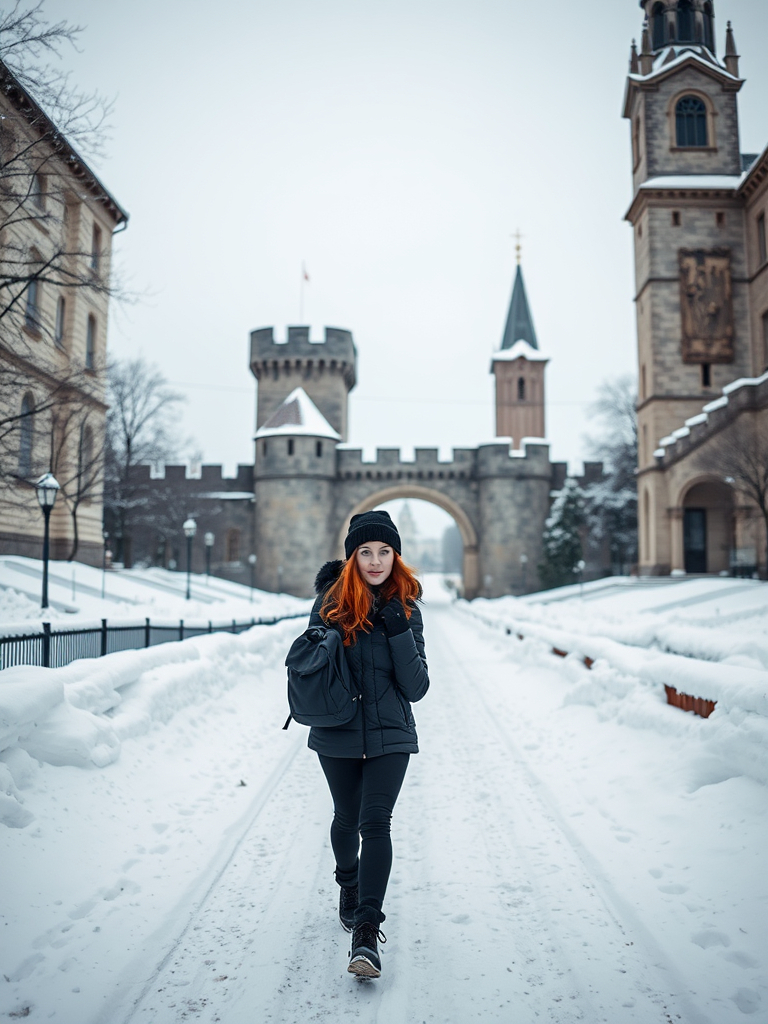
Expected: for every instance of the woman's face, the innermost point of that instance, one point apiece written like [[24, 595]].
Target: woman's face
[[375, 561]]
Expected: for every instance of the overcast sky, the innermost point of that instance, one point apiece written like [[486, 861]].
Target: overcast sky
[[394, 147]]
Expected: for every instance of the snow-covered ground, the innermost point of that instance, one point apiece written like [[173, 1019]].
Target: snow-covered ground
[[567, 846], [130, 595]]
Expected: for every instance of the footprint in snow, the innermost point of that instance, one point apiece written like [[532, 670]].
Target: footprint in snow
[[673, 890], [460, 919], [741, 959], [710, 937], [747, 1000]]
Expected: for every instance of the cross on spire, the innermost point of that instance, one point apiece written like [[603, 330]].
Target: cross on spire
[[518, 237]]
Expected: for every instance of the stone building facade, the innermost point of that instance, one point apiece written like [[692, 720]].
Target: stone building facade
[[698, 215], [56, 226]]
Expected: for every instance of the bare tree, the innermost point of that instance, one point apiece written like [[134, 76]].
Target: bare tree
[[611, 505], [739, 455], [141, 430], [77, 462], [49, 251]]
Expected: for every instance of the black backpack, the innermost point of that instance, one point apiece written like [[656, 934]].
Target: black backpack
[[320, 688]]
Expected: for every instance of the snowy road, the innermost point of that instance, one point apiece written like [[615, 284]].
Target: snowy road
[[508, 899]]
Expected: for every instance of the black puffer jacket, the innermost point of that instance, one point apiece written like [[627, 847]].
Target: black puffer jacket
[[390, 673]]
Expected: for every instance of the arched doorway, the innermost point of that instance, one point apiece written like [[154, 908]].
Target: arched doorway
[[708, 527], [470, 567]]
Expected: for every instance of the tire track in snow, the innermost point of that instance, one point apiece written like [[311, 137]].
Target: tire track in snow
[[574, 890], [171, 937]]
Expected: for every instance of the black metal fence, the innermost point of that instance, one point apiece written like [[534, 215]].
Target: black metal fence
[[54, 648]]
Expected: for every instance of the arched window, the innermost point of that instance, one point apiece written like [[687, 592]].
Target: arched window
[[37, 191], [691, 121], [685, 22], [61, 311], [290, 446], [659, 24], [521, 389], [96, 248], [85, 453], [319, 449], [32, 311], [232, 547], [26, 434], [709, 27], [90, 343]]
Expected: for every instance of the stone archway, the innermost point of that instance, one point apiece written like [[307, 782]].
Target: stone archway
[[470, 567], [704, 526]]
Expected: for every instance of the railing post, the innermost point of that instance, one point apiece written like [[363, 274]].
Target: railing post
[[103, 637], [234, 626], [210, 626], [181, 629], [46, 645], [146, 633]]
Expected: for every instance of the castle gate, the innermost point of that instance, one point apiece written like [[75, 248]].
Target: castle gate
[[470, 568]]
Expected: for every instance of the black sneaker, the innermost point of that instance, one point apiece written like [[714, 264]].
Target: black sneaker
[[364, 956], [348, 899]]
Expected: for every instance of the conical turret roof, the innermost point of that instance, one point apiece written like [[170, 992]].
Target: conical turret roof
[[298, 414], [519, 320]]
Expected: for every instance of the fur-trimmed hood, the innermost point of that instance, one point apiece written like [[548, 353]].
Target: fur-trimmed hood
[[328, 575], [331, 571]]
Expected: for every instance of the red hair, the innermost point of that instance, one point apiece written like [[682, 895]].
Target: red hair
[[348, 602]]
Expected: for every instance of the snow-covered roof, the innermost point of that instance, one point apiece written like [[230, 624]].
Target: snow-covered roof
[[227, 495], [724, 181], [665, 61], [520, 350], [298, 415]]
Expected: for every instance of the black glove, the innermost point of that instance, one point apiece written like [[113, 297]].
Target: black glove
[[394, 617]]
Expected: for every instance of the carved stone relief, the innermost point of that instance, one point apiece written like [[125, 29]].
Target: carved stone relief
[[706, 305]]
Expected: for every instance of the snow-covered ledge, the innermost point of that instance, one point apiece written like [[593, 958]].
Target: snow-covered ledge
[[738, 393]]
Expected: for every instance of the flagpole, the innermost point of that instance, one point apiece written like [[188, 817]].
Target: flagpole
[[301, 292]]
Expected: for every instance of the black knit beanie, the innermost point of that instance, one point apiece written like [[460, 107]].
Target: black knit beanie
[[376, 525]]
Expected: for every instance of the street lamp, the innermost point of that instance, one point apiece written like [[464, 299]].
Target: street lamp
[[190, 529], [579, 568], [47, 489], [252, 563], [209, 539], [524, 563], [105, 535]]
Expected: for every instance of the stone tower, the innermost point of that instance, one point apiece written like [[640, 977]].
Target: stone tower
[[326, 370], [294, 478], [690, 260], [518, 367]]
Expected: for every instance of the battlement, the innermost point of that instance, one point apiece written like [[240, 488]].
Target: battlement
[[210, 476], [743, 395], [335, 351], [467, 463]]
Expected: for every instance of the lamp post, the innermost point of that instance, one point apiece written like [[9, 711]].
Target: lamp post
[[524, 564], [252, 563], [190, 529], [209, 539], [580, 566], [105, 535], [47, 489]]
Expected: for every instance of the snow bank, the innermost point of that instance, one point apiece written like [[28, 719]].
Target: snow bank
[[625, 678], [80, 715]]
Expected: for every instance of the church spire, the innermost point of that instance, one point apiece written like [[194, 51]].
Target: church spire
[[519, 321]]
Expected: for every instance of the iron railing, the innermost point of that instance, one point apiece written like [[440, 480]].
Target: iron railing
[[54, 648]]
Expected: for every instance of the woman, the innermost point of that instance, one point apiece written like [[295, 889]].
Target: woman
[[370, 599]]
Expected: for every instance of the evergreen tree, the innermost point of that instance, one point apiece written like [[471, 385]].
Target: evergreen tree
[[562, 540]]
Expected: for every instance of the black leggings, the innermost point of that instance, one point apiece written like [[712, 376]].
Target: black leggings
[[364, 792]]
